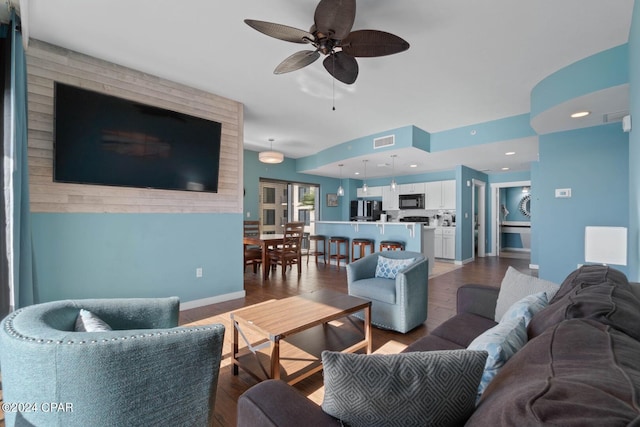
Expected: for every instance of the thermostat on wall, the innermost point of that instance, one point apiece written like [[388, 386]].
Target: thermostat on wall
[[563, 193]]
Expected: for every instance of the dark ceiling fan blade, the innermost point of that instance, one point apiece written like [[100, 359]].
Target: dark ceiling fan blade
[[370, 43], [342, 66], [296, 61], [279, 31], [334, 18]]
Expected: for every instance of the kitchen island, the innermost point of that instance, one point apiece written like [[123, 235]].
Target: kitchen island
[[416, 236]]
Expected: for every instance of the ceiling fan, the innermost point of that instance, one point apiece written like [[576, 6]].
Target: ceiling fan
[[331, 36]]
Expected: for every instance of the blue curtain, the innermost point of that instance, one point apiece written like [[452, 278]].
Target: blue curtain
[[24, 286]]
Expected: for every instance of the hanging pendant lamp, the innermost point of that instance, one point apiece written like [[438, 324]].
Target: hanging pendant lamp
[[340, 189], [394, 184], [271, 156], [364, 186]]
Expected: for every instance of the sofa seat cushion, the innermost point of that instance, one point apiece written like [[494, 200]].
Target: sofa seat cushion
[[432, 343], [463, 328], [611, 302], [376, 288], [578, 372]]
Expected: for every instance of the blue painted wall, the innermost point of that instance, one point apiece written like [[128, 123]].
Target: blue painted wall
[[593, 163], [80, 255], [634, 146]]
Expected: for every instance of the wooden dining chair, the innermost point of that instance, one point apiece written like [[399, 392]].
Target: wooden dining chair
[[252, 253], [290, 251]]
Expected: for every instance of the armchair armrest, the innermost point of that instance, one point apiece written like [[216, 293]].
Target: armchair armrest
[[364, 268], [477, 299]]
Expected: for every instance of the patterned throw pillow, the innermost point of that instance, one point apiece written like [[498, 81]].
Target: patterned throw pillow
[[516, 286], [388, 268], [434, 388], [89, 322], [500, 342], [526, 307]]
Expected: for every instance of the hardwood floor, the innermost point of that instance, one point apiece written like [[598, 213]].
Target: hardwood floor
[[441, 306]]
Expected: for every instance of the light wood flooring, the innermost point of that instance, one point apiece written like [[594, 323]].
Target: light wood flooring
[[443, 284]]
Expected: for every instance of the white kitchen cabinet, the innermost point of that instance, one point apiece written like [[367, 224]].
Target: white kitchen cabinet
[[441, 195], [389, 198], [437, 243], [371, 192], [445, 243], [414, 188]]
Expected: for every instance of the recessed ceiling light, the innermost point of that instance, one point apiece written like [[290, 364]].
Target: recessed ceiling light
[[357, 173], [505, 169], [579, 114], [509, 153], [413, 166]]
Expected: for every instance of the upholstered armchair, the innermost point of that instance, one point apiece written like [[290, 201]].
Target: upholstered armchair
[[399, 304], [145, 372]]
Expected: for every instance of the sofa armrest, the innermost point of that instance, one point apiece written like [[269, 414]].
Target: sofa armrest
[[274, 403], [477, 299]]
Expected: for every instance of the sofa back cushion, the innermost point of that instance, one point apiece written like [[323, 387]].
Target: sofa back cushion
[[578, 372], [596, 292]]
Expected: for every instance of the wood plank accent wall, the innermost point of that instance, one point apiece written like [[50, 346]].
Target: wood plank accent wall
[[47, 63]]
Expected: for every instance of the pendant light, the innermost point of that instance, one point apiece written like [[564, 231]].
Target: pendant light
[[340, 189], [271, 156], [394, 184], [364, 186]]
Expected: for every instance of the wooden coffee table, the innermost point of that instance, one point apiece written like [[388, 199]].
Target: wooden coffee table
[[296, 330]]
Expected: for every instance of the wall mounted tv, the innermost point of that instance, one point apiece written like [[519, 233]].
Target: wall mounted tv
[[101, 139]]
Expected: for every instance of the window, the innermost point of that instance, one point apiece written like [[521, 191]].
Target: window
[[268, 195], [269, 217]]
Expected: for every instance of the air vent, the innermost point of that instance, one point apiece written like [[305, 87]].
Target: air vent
[[386, 141], [614, 117]]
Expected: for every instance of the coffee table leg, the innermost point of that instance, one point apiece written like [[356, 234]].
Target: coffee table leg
[[275, 359], [367, 328], [234, 352]]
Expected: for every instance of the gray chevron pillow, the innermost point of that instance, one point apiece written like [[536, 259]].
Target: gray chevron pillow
[[433, 388]]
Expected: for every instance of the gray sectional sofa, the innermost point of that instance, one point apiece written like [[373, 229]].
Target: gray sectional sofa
[[580, 364]]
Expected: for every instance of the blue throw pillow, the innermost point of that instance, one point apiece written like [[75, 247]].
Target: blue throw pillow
[[388, 268], [526, 307], [501, 342]]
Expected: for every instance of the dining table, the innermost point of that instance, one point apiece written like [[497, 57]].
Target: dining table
[[265, 241]]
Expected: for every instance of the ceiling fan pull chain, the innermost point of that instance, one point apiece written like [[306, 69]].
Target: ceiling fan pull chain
[[333, 80]]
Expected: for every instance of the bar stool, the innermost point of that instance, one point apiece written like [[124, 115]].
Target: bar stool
[[391, 245], [339, 240], [317, 238], [362, 244]]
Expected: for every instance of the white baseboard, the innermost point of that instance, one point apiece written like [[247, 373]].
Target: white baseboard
[[211, 300]]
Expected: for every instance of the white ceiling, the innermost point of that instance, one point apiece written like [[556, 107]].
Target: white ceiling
[[469, 62]]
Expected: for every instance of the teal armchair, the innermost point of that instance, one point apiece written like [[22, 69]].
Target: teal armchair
[[145, 372], [398, 304]]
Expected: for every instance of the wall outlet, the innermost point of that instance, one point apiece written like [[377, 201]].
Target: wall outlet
[[199, 272], [248, 214], [563, 193]]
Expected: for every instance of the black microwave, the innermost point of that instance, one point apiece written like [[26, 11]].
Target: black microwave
[[411, 201]]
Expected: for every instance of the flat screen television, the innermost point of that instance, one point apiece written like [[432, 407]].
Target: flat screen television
[[105, 140]]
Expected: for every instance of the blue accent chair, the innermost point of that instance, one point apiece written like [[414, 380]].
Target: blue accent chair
[[146, 372], [398, 304]]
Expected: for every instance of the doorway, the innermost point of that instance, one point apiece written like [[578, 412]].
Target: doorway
[[504, 218], [281, 202], [478, 207]]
